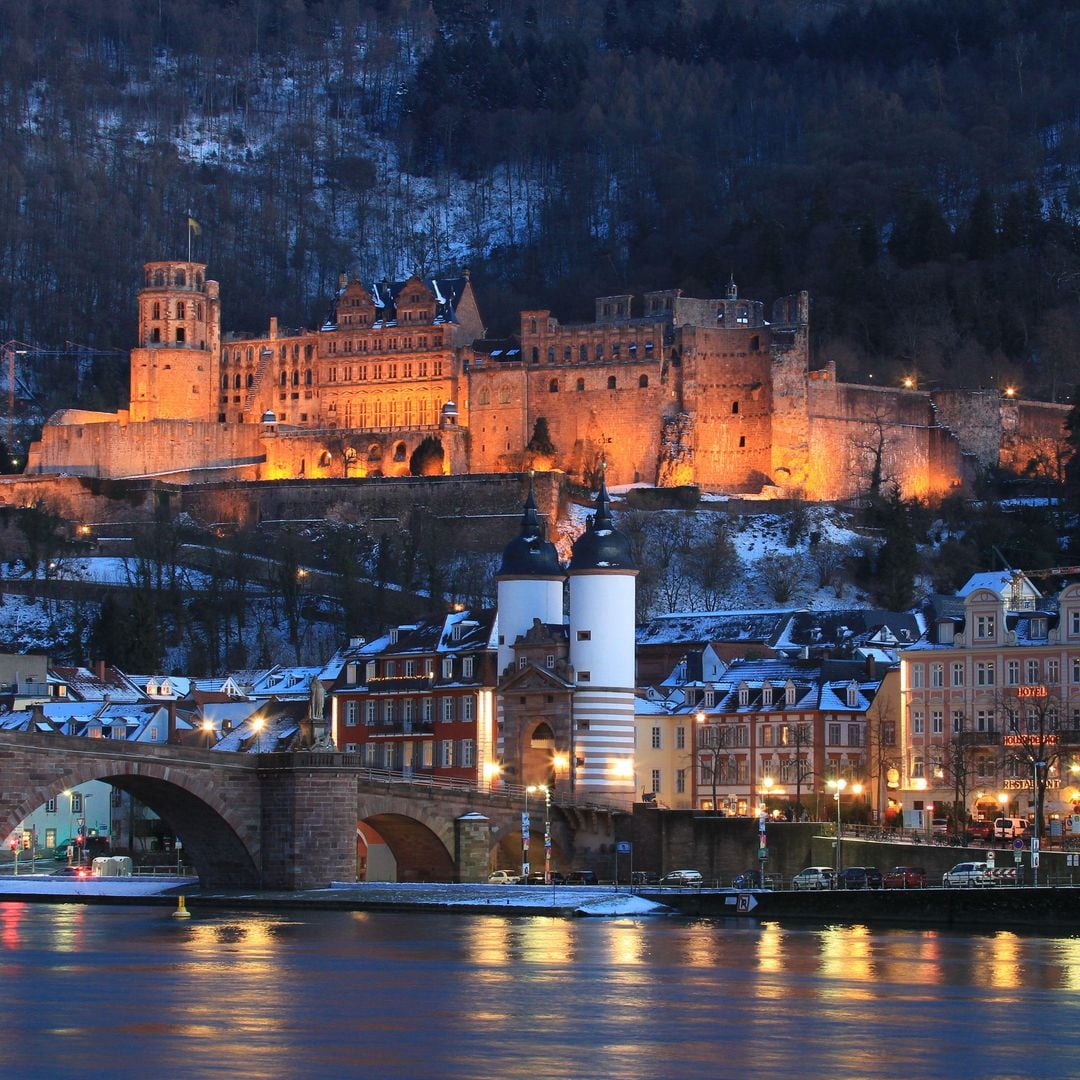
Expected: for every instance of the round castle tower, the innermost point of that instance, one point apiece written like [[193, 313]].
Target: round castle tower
[[602, 644], [529, 582]]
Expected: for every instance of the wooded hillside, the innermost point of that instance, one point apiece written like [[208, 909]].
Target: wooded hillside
[[913, 164]]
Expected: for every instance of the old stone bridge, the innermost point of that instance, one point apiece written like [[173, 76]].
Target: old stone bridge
[[291, 821]]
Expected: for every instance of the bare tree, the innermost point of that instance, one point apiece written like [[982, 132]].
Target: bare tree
[[1031, 742], [799, 767], [782, 575]]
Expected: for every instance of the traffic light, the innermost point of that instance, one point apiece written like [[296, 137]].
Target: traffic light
[[27, 841], [80, 839], [13, 843]]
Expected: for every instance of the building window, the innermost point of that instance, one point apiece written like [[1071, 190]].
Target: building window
[[468, 754], [584, 635], [446, 753], [984, 627], [427, 709], [680, 738], [888, 732], [467, 667], [918, 722], [76, 802], [958, 674], [468, 707], [854, 735], [369, 713], [984, 674], [680, 781], [957, 721], [50, 806], [656, 781], [410, 668], [1012, 672], [352, 713], [656, 738], [1053, 671], [937, 722], [447, 709], [1032, 672], [937, 676], [553, 386], [584, 676], [984, 720], [916, 677], [834, 735], [448, 668]]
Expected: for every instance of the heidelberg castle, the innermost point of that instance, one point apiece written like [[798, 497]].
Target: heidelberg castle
[[669, 390]]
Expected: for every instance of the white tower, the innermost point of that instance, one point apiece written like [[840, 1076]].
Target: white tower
[[530, 583], [602, 647]]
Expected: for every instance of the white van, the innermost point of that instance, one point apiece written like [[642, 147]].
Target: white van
[[1008, 828]]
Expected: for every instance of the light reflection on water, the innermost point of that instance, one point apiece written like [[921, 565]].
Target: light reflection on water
[[342, 994]]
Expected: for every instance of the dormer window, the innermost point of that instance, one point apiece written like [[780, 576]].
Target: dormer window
[[467, 667], [744, 695], [789, 694], [766, 695], [985, 627], [710, 698], [448, 668], [371, 670], [455, 633], [394, 635], [852, 695], [1038, 628]]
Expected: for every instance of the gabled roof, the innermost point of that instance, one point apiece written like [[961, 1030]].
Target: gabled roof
[[86, 686]]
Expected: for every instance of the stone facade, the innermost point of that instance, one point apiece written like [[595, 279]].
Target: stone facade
[[683, 390]]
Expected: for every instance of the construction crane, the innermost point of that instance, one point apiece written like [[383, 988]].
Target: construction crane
[[11, 350]]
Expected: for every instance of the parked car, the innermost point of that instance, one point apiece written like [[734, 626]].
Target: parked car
[[939, 826], [905, 877], [644, 877], [1008, 828], [503, 877], [749, 879], [581, 877], [541, 879], [72, 871], [814, 877], [859, 877], [966, 875], [683, 878], [980, 830]]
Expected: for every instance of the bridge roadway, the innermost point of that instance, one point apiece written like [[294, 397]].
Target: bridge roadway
[[289, 821]]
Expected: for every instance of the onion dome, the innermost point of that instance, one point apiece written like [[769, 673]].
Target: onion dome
[[601, 546], [530, 553]]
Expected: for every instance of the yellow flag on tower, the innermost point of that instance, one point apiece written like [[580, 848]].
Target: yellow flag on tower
[[194, 226]]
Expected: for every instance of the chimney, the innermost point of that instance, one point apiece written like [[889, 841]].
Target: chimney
[[871, 668], [99, 669], [170, 736]]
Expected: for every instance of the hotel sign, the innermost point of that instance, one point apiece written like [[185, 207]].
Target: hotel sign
[[1031, 742], [1032, 692]]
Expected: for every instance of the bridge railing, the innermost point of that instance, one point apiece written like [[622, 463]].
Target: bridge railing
[[511, 793]]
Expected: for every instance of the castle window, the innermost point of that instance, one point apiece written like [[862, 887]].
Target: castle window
[[250, 380], [224, 382], [159, 278], [181, 278], [600, 351], [296, 378], [157, 310], [611, 382], [535, 355], [742, 314], [155, 334], [755, 343], [742, 441], [583, 353], [581, 384], [181, 310], [307, 377], [296, 352], [532, 326], [643, 382], [568, 354], [484, 397], [734, 408], [284, 377], [551, 354], [236, 382], [553, 386], [615, 349], [504, 395], [224, 356], [250, 355], [399, 452], [181, 334]]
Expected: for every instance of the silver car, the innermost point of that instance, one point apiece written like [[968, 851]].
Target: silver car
[[814, 877], [967, 874]]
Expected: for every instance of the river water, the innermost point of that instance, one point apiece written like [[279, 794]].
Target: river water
[[131, 991]]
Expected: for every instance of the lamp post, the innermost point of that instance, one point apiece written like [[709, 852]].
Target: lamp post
[[536, 788], [839, 784], [83, 830], [1035, 766], [698, 743], [208, 733], [525, 839], [71, 799]]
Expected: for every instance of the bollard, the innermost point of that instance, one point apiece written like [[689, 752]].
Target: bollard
[[181, 911]]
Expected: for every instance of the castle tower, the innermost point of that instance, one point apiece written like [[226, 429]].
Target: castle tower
[[602, 612], [529, 582], [174, 368]]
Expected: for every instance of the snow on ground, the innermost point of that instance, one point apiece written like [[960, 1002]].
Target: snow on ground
[[586, 900], [46, 885]]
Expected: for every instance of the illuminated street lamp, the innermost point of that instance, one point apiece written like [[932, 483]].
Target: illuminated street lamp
[[492, 772], [535, 789], [208, 732], [839, 785]]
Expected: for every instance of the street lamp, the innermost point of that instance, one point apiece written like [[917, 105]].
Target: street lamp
[[700, 718], [1035, 766], [208, 732], [71, 812], [534, 789], [525, 837], [839, 784], [767, 783], [492, 772]]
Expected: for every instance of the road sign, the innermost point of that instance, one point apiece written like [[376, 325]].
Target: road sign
[[990, 860], [623, 847], [1035, 860], [1018, 844], [746, 902], [1034, 843]]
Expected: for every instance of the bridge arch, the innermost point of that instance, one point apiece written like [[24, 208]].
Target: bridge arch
[[420, 852], [215, 822]]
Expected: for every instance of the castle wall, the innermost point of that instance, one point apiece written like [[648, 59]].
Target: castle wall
[[1033, 437], [154, 448], [974, 417], [853, 428]]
